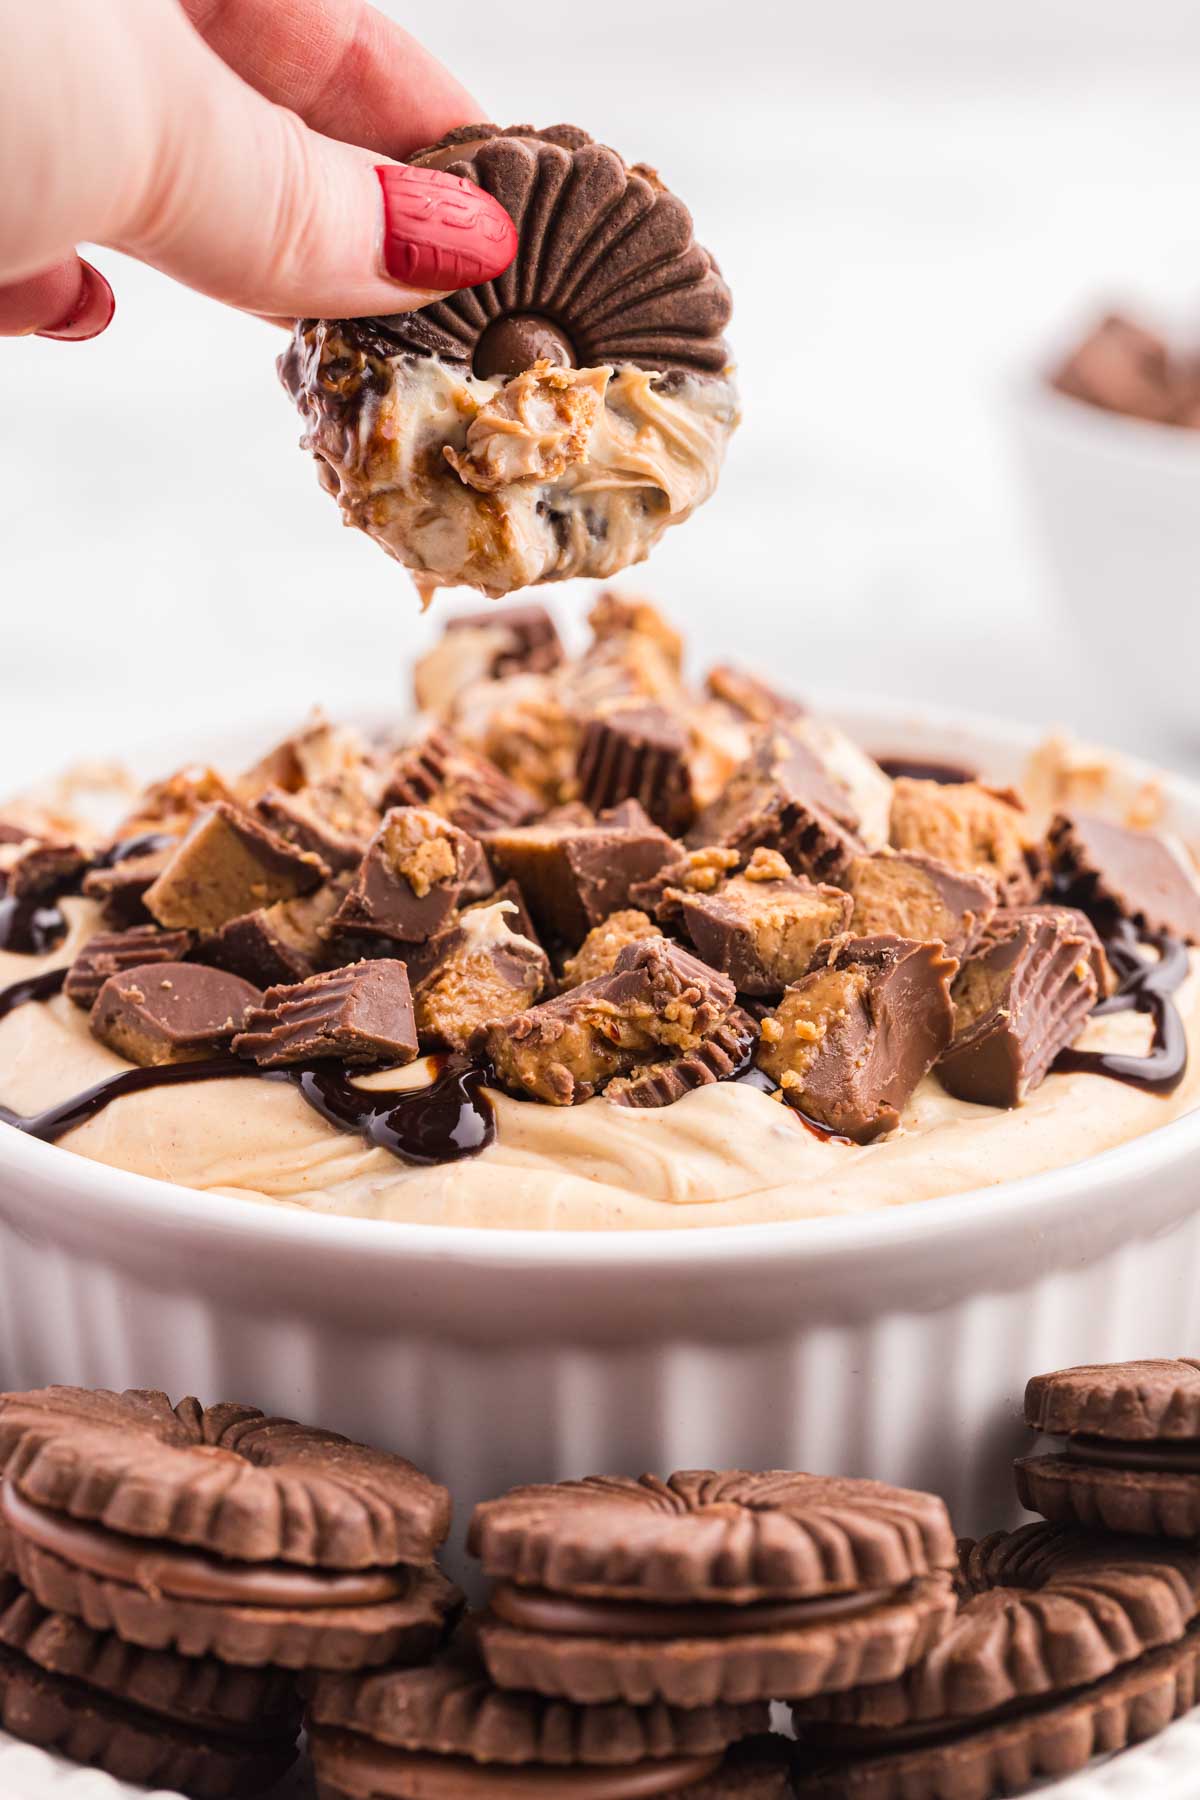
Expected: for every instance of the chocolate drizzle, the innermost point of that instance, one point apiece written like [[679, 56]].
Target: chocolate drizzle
[[908, 768], [450, 1119], [1144, 986]]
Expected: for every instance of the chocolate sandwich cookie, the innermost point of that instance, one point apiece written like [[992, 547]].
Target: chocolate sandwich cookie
[[141, 1715], [552, 421], [1066, 1644], [446, 1732], [1131, 1460], [710, 1587], [216, 1531]]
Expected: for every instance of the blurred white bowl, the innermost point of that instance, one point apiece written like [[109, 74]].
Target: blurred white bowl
[[1116, 504]]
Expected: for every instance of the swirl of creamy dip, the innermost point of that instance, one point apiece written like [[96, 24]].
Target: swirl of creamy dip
[[501, 484], [724, 1155]]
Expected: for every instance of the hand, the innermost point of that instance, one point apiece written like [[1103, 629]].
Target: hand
[[238, 145]]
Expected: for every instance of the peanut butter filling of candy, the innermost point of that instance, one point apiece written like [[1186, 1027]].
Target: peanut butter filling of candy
[[551, 423]]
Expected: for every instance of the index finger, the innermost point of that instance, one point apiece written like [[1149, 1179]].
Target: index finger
[[347, 70]]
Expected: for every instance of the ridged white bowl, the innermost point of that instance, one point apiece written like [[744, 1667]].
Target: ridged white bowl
[[895, 1344]]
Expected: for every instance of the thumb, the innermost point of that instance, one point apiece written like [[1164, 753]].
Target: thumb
[[247, 204]]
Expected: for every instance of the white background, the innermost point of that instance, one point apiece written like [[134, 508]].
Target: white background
[[908, 199]]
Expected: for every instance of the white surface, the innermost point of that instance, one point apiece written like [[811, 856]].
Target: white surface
[[907, 201]]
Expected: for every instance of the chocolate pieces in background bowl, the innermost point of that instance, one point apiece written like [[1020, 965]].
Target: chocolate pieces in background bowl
[[1125, 874]]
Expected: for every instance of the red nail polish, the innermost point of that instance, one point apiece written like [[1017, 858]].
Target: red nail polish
[[441, 231], [90, 313]]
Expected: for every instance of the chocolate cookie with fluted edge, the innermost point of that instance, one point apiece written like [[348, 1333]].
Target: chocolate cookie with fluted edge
[[1131, 1457], [446, 1729], [606, 270], [220, 1531], [710, 1587], [133, 1745], [1066, 1643]]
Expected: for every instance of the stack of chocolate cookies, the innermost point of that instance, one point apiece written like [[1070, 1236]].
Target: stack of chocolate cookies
[[167, 1573], [1074, 1637], [636, 1631]]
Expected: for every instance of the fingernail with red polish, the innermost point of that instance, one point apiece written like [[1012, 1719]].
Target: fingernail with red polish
[[90, 313], [441, 231]]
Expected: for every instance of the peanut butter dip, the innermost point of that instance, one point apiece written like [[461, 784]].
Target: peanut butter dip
[[726, 1155], [497, 484], [597, 950]]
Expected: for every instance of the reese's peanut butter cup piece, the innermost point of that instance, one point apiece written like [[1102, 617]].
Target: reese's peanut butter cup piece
[[171, 1012], [658, 1003], [754, 699], [1131, 1460], [709, 1587], [637, 751], [761, 928], [476, 973], [916, 896], [485, 646], [116, 952], [220, 1532], [574, 877], [850, 1041], [1022, 997], [1125, 873], [119, 887], [275, 944], [458, 783], [134, 1745], [451, 1710], [320, 754], [606, 271], [228, 864], [722, 1055], [604, 943], [974, 828], [410, 879], [783, 798], [359, 1014], [1066, 1643], [31, 865], [334, 820]]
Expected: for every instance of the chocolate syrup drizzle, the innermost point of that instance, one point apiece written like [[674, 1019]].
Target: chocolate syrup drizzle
[[444, 1122], [912, 768], [1143, 986]]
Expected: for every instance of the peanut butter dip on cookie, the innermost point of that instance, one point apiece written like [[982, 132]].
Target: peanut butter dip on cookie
[[595, 949], [553, 422]]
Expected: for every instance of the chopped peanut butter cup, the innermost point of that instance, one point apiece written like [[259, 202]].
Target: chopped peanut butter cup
[[849, 1042], [710, 1588]]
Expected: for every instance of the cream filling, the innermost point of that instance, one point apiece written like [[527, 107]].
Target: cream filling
[[500, 485], [725, 1155]]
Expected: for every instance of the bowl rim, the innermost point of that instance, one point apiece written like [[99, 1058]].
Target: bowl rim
[[104, 1195]]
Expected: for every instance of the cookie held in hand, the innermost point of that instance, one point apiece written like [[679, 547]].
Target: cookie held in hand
[[552, 422]]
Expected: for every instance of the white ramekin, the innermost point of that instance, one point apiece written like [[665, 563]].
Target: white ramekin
[[1116, 505], [895, 1344]]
